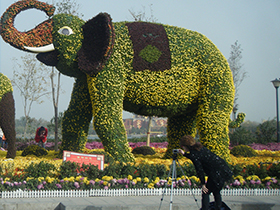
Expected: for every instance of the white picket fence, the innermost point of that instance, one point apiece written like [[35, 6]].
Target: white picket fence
[[132, 192]]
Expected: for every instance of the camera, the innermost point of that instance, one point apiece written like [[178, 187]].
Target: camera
[[175, 151]]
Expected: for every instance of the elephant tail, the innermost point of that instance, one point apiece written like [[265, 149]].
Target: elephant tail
[[237, 122]]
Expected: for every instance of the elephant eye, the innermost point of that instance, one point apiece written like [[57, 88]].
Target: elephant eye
[[65, 30]]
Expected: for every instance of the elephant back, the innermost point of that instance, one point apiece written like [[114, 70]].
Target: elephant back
[[150, 46]]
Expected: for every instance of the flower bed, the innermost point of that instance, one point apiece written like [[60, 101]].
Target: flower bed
[[98, 145], [92, 145], [270, 146], [50, 173]]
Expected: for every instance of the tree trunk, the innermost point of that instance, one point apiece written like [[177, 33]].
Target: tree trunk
[[25, 127], [149, 131], [55, 105], [56, 129]]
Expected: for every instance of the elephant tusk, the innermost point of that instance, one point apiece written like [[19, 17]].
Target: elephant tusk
[[46, 48]]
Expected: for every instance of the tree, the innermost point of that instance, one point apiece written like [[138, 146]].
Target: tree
[[66, 7], [242, 135], [30, 79], [266, 132], [250, 125], [236, 68], [55, 98], [52, 126], [141, 15]]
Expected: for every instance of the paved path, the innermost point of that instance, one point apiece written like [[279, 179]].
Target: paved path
[[137, 203]]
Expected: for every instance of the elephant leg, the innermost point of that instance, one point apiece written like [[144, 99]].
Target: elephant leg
[[214, 134], [7, 122], [76, 119], [212, 124], [108, 122], [113, 136], [178, 126]]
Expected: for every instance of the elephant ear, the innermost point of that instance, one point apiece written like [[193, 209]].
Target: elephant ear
[[97, 44]]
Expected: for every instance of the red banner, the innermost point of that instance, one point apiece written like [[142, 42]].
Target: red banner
[[97, 160]]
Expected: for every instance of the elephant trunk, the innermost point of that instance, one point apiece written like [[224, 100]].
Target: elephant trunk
[[41, 35]]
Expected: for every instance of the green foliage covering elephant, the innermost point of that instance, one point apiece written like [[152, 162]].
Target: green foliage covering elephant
[[7, 114], [145, 68]]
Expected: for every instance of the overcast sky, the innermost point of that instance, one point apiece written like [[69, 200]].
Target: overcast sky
[[254, 23]]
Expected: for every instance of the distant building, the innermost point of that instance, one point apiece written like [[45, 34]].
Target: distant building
[[138, 121], [128, 123]]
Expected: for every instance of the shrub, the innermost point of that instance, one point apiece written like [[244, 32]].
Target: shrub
[[144, 150], [129, 169], [236, 169], [90, 171], [187, 168], [266, 132], [146, 170], [117, 170], [161, 170], [241, 136], [34, 150], [68, 169], [121, 170], [243, 150], [274, 170], [41, 169], [259, 170]]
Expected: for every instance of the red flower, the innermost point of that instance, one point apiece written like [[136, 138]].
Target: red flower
[[136, 173], [268, 167]]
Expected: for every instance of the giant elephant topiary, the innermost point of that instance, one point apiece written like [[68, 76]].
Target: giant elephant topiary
[[7, 114], [145, 68]]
